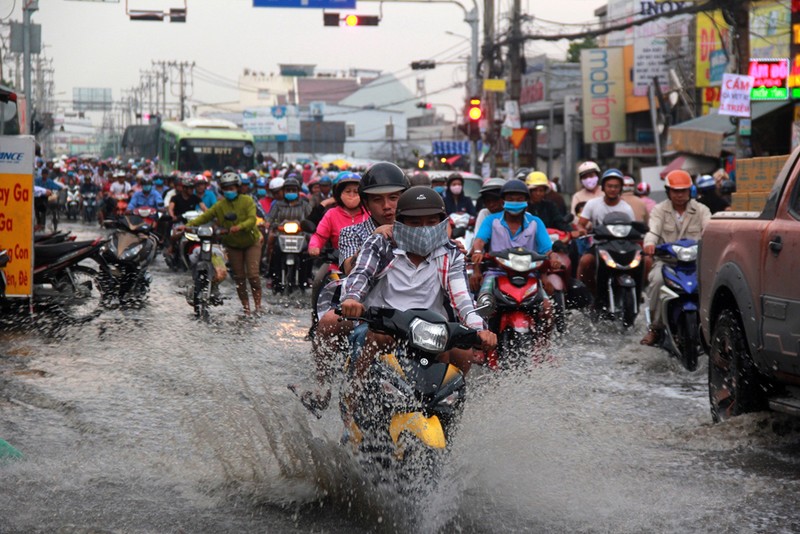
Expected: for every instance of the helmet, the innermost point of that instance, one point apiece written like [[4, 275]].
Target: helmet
[[706, 181], [628, 184], [261, 183], [291, 181], [514, 186], [587, 167], [438, 179], [523, 173], [276, 183], [326, 180], [642, 189], [420, 178], [678, 179], [420, 201], [147, 181], [200, 178], [453, 177], [492, 185], [342, 181], [612, 174], [245, 179], [207, 174], [228, 179], [187, 181], [383, 177], [727, 187], [536, 179]]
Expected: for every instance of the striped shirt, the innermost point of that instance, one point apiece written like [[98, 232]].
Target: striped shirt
[[352, 237]]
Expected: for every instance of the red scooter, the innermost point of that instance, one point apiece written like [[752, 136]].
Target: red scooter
[[519, 307], [566, 291]]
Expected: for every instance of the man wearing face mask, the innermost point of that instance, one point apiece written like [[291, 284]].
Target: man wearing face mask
[[589, 176], [291, 208], [455, 201], [418, 268], [147, 197]]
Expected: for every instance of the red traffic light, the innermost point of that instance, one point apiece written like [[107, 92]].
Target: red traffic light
[[474, 111]]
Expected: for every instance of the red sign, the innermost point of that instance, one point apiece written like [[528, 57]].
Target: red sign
[[769, 72]]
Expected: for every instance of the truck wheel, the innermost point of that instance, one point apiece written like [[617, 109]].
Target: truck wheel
[[734, 383]]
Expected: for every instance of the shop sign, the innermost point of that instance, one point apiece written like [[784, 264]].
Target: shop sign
[[735, 96], [770, 78], [603, 79], [16, 212]]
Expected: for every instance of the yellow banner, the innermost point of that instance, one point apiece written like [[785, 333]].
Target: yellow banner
[[494, 85], [712, 38], [770, 29], [603, 75], [16, 212]]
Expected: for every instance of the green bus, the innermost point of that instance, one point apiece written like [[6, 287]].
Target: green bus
[[197, 145]]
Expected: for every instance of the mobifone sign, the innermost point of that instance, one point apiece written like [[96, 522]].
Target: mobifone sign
[[603, 76]]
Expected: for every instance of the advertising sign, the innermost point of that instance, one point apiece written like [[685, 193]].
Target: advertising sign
[[794, 51], [770, 29], [735, 97], [533, 84], [278, 123], [318, 4], [655, 41], [770, 79], [16, 212], [603, 79], [712, 40]]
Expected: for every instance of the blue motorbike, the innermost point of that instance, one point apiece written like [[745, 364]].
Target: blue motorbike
[[678, 299]]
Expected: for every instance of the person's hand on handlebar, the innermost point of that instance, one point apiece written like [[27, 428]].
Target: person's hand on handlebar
[[650, 249], [352, 308], [313, 251], [488, 340]]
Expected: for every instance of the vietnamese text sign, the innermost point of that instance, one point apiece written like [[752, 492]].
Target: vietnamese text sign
[[533, 83], [319, 4], [770, 79], [770, 29], [735, 96], [278, 123], [603, 79], [651, 45], [16, 212], [712, 38]]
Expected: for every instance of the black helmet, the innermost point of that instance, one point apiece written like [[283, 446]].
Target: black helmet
[[291, 182], [515, 186], [453, 177], [383, 177], [419, 201]]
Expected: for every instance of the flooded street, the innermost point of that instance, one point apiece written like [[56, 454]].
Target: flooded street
[[148, 421]]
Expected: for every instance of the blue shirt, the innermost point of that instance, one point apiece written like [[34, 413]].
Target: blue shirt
[[209, 199], [141, 199], [541, 242]]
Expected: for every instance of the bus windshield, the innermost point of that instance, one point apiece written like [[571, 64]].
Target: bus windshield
[[215, 154], [9, 114]]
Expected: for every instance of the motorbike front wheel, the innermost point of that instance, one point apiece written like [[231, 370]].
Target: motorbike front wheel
[[81, 297], [688, 337], [628, 307], [200, 296], [559, 311]]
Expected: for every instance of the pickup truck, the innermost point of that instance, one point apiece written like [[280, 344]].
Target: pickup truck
[[750, 303]]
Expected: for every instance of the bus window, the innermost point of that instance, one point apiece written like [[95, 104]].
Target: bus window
[[9, 115], [205, 154]]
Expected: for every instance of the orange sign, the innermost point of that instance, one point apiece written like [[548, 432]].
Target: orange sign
[[518, 136], [16, 212]]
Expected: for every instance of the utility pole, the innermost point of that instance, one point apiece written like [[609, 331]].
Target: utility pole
[[515, 48], [741, 27], [184, 78], [27, 10], [488, 72]]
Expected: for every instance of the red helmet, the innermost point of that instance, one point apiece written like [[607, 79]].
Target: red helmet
[[642, 189]]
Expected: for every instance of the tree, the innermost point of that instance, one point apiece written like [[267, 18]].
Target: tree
[[575, 47]]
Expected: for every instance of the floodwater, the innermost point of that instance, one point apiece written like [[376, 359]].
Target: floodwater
[[148, 421]]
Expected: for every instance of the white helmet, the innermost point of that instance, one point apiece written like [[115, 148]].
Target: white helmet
[[275, 184], [587, 167]]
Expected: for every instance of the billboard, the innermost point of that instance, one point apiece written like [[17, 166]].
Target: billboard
[[770, 29], [712, 41], [278, 123], [92, 99], [603, 77], [533, 84], [656, 41], [16, 212]]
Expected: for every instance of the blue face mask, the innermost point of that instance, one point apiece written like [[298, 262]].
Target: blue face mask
[[147, 188], [439, 189], [158, 182], [291, 197], [231, 195], [261, 192], [515, 207]]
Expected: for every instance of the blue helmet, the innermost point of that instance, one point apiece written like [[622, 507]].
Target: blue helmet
[[612, 174], [262, 183], [325, 180], [705, 181]]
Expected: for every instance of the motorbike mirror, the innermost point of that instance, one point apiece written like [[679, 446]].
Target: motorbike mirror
[[308, 226], [230, 216], [484, 311]]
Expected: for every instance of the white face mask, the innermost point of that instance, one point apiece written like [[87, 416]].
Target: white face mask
[[590, 183], [456, 189]]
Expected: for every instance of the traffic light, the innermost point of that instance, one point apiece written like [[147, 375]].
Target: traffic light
[[474, 112], [334, 19], [424, 105], [423, 65]]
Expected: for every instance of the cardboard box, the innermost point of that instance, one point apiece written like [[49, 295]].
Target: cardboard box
[[756, 201], [758, 174], [740, 201]]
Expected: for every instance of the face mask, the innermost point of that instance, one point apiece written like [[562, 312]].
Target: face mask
[[261, 192], [420, 240], [147, 188], [231, 195], [456, 189], [291, 197], [439, 189], [590, 183], [515, 207], [159, 182]]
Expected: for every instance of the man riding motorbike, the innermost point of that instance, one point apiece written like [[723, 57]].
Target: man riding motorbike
[[291, 208], [419, 268], [147, 197], [678, 217], [538, 205]]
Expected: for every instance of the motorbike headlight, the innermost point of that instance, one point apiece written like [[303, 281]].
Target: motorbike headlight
[[112, 247], [133, 251], [619, 230], [205, 231], [291, 228], [606, 257], [518, 262], [636, 260], [450, 400], [430, 337], [686, 253], [206, 246]]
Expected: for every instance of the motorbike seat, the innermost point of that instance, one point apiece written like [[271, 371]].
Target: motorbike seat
[[44, 254]]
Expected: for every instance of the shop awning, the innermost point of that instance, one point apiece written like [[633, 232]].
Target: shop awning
[[451, 148], [694, 165], [704, 135]]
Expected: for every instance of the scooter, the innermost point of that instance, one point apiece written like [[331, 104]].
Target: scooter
[[89, 207], [568, 293], [518, 305], [620, 267], [208, 269], [181, 246], [463, 228], [292, 241], [73, 202], [405, 415], [125, 258], [679, 297]]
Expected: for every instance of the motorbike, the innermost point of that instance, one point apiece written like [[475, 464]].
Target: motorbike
[[292, 241], [73, 202], [568, 293], [208, 269], [518, 306], [4, 259], [61, 283], [406, 412], [620, 267], [463, 228], [120, 205], [89, 202], [125, 258], [679, 299], [51, 238], [182, 247]]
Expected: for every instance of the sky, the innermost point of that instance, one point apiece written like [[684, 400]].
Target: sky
[[94, 44]]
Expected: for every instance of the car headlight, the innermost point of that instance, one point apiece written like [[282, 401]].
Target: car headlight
[[205, 231], [606, 257], [291, 228], [619, 230], [686, 253], [133, 251], [430, 337]]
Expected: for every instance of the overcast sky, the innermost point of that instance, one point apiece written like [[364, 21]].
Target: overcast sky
[[94, 44]]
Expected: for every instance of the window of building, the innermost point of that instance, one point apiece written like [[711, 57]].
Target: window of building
[[263, 94], [351, 130]]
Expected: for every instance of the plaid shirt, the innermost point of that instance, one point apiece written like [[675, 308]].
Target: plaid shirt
[[352, 237], [376, 257]]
